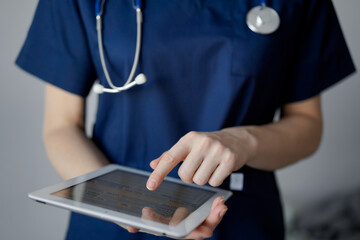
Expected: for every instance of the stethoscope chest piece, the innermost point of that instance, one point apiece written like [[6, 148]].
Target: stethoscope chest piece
[[263, 19]]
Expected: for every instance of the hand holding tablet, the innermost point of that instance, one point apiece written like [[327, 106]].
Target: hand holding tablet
[[204, 230]]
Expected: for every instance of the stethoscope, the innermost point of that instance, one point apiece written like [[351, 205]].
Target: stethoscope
[[131, 82], [260, 19], [263, 19]]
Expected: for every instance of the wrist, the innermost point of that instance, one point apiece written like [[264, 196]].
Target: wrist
[[253, 143], [247, 143]]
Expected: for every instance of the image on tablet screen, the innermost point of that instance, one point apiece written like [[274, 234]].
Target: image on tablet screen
[[170, 203]]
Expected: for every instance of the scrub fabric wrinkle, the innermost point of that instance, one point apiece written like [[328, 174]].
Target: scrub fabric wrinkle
[[206, 71]]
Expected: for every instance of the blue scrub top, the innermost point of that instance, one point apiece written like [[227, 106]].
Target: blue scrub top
[[206, 71]]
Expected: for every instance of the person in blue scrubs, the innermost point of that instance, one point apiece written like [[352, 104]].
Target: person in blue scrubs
[[213, 89]]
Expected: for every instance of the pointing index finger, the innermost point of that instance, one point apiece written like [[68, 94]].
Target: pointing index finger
[[166, 163]]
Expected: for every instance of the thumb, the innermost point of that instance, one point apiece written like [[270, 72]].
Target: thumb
[[217, 213]]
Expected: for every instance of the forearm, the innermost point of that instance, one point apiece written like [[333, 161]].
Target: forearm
[[210, 157], [71, 152], [280, 144]]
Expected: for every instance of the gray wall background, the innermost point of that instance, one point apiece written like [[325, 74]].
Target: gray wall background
[[24, 165]]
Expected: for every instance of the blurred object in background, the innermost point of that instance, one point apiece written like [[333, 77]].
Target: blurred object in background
[[332, 219]]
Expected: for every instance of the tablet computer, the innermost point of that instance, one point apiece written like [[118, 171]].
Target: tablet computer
[[119, 194]]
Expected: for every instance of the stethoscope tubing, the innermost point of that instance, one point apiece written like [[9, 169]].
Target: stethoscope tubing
[[99, 9], [254, 22]]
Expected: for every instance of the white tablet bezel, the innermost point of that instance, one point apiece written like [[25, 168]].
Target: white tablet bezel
[[180, 230]]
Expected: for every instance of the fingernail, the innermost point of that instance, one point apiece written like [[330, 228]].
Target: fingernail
[[222, 200], [151, 184], [222, 213]]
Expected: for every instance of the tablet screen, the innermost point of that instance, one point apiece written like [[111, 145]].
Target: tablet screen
[[125, 192]]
